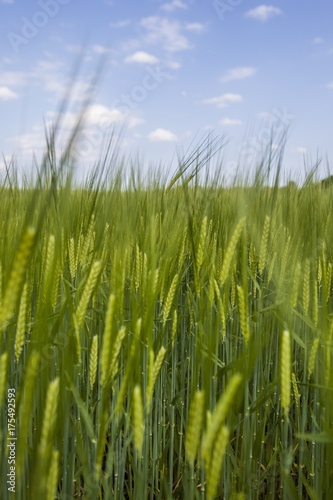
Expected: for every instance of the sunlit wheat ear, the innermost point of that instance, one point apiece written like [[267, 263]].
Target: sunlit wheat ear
[[71, 259], [294, 293], [214, 472], [223, 406], [24, 413], [243, 316], [271, 268], [202, 241], [52, 479], [17, 276], [306, 287], [115, 352], [153, 376], [88, 289], [21, 323], [285, 371], [315, 303], [138, 419], [93, 361], [55, 287], [229, 254], [295, 391], [3, 375], [194, 426], [219, 264], [50, 415], [156, 280], [48, 266], [170, 297], [263, 245], [174, 326], [107, 340], [312, 357]]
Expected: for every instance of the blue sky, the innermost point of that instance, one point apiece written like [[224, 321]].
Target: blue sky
[[173, 71]]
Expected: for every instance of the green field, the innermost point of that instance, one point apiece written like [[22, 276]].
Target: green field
[[165, 341]]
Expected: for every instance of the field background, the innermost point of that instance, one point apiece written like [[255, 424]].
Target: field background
[[166, 341]]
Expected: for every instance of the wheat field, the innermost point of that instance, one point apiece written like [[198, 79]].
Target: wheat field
[[166, 340]]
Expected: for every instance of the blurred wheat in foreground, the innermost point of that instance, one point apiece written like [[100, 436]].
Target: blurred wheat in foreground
[[166, 340]]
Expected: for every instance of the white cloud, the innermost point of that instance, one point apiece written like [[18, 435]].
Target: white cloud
[[238, 73], [195, 27], [7, 1], [173, 64], [330, 85], [223, 100], [160, 134], [301, 150], [227, 122], [264, 12], [165, 32], [317, 40], [133, 121], [13, 79], [267, 117], [175, 4], [98, 114], [142, 58], [6, 94], [99, 49], [120, 24]]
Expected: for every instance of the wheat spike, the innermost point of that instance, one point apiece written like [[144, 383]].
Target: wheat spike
[[243, 316], [231, 250], [306, 287], [154, 374], [71, 258], [295, 391], [221, 411], [88, 289], [107, 340], [116, 350], [21, 323], [170, 297], [3, 375], [52, 479], [194, 425], [17, 276], [216, 463], [138, 420], [285, 373], [93, 361], [312, 357]]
